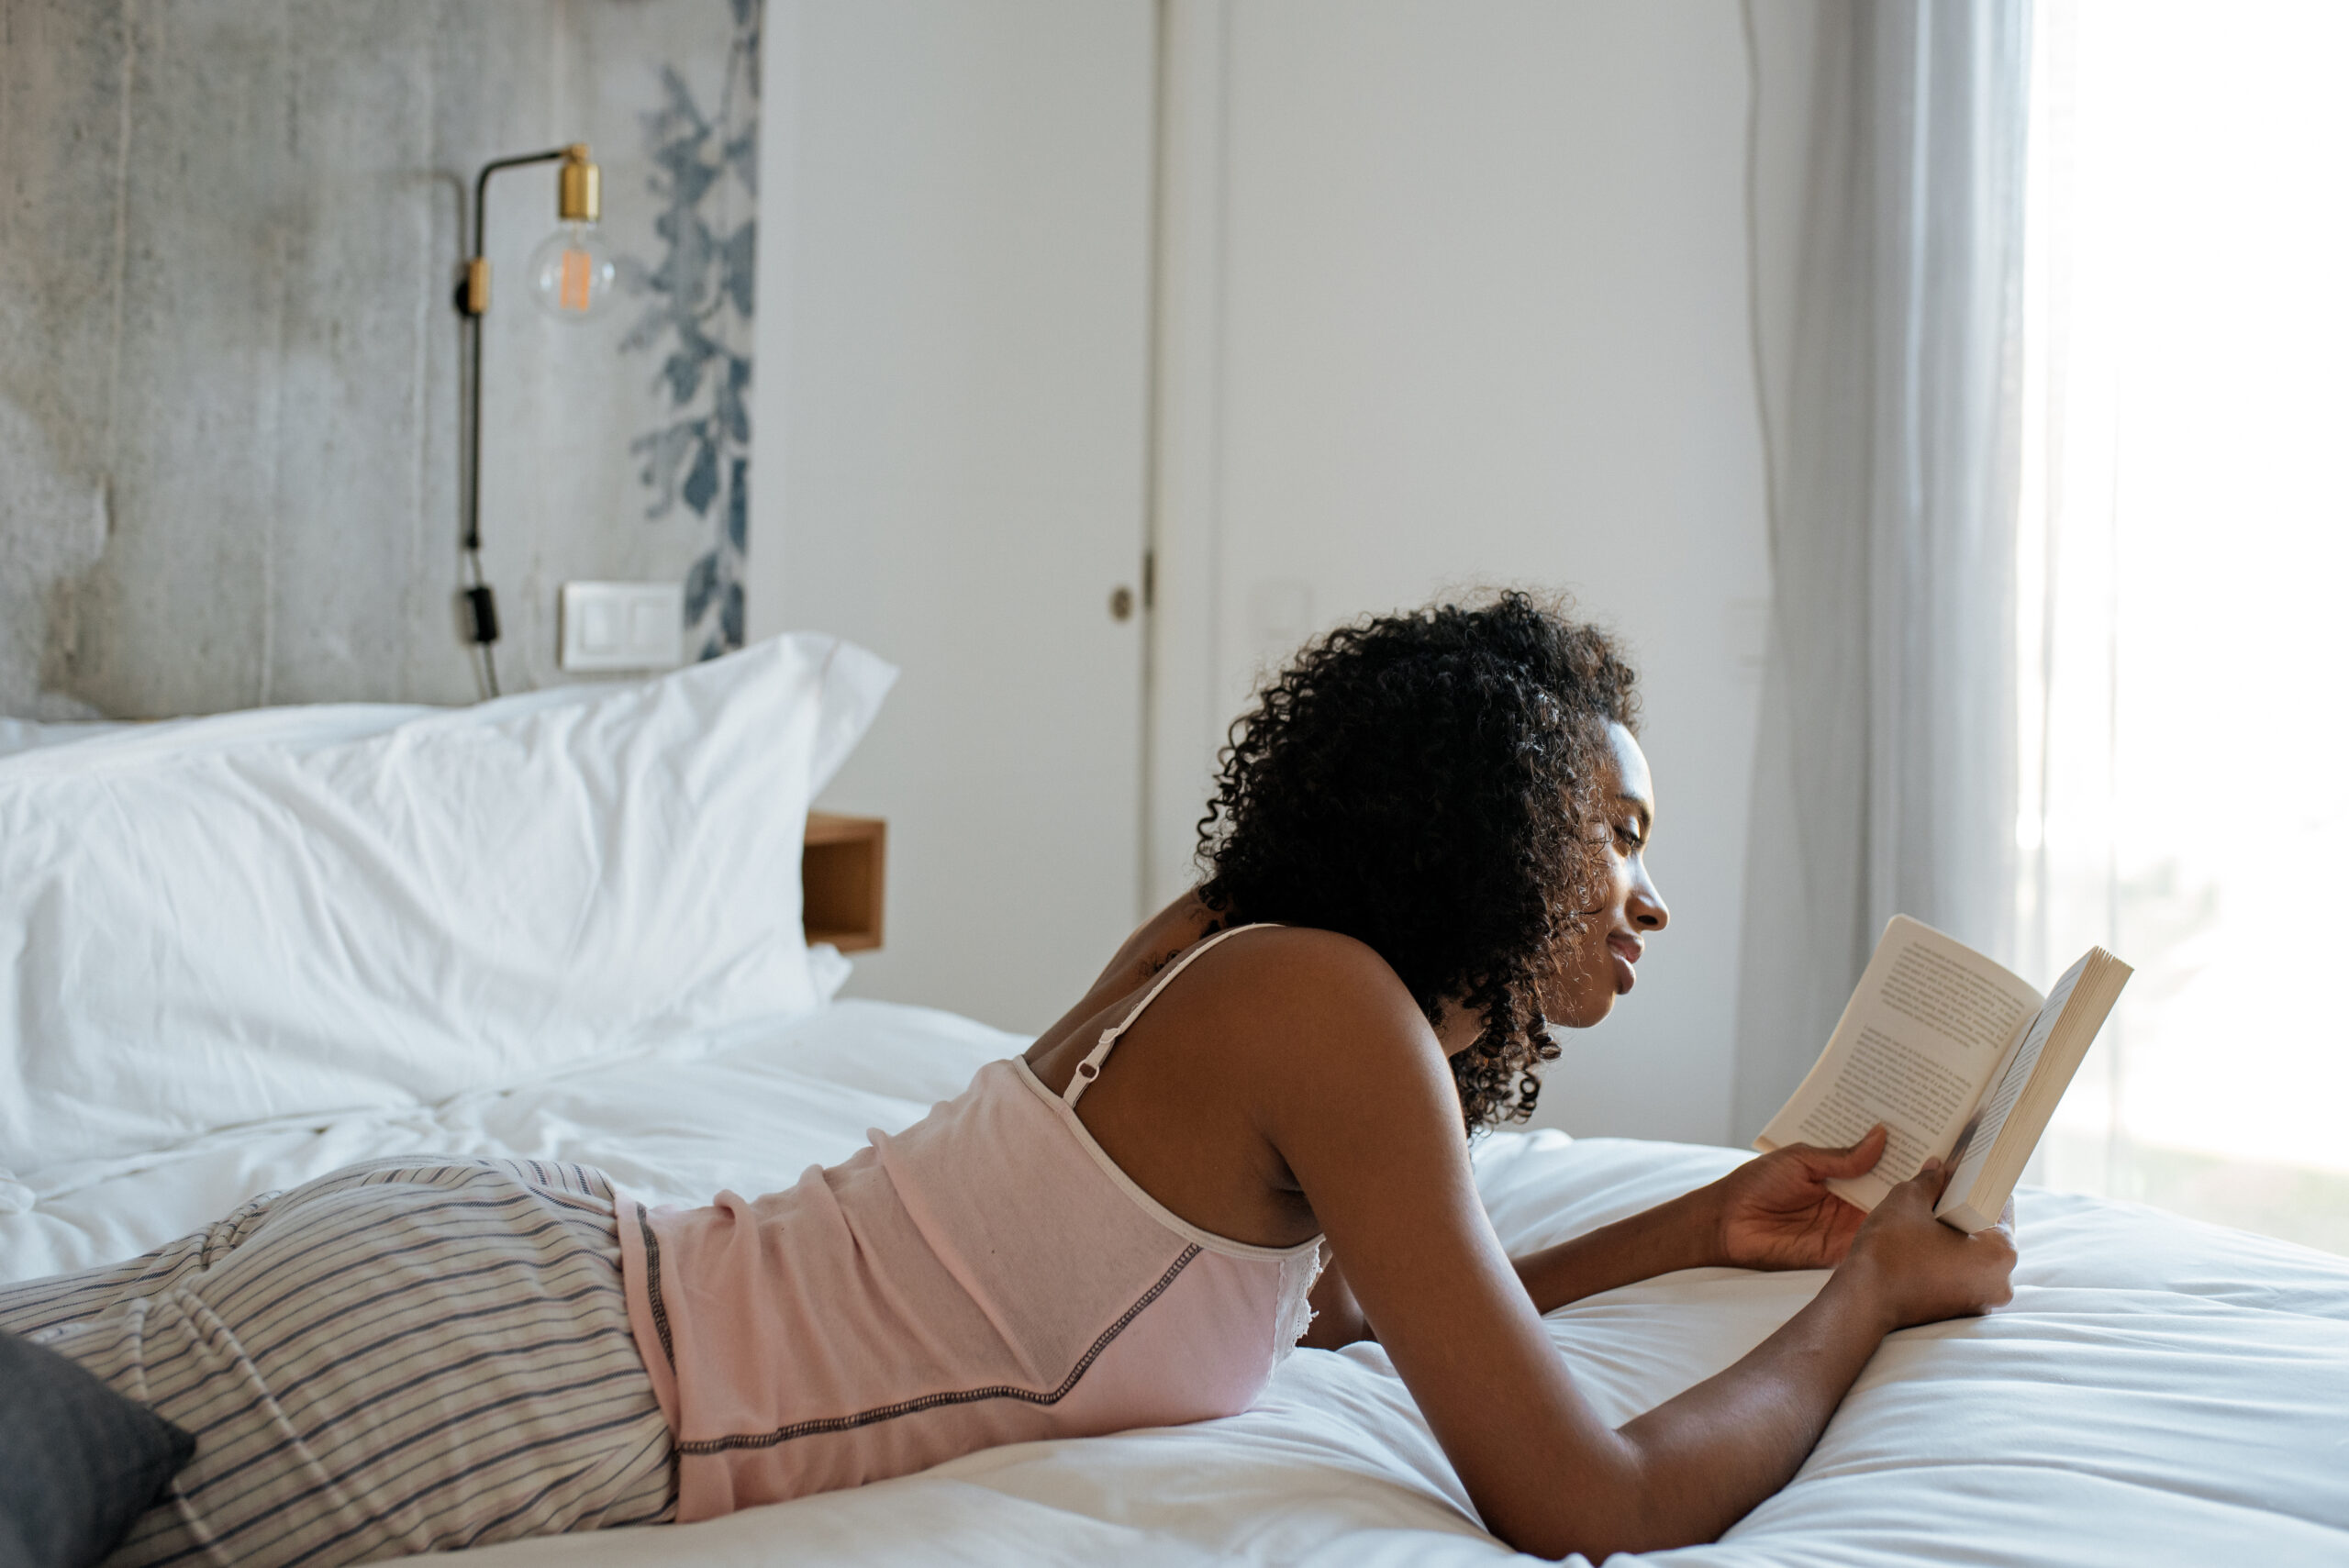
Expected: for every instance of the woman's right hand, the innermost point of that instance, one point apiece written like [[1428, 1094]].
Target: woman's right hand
[[1922, 1270]]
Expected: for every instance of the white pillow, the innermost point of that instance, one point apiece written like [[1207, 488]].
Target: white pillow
[[234, 920], [25, 734]]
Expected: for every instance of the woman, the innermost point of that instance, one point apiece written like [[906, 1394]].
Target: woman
[[1426, 847]]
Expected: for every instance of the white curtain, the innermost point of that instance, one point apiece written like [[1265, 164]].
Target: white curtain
[[1885, 775]]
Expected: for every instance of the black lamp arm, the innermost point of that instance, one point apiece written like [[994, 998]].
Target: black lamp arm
[[481, 196], [472, 300]]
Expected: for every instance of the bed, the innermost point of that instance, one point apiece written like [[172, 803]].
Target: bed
[[2159, 1391]]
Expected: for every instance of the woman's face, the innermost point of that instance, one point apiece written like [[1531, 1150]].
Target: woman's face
[[1596, 966]]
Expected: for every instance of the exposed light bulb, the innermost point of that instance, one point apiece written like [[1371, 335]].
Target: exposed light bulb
[[573, 275]]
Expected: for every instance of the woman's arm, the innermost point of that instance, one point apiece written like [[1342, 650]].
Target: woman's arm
[[1772, 1212], [1668, 1237], [1904, 1268], [1361, 1107]]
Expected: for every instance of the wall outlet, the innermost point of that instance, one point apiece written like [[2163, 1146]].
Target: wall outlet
[[622, 625]]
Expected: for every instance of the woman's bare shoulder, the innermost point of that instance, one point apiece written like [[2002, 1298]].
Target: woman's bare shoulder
[[1275, 1006], [1329, 1002], [1307, 960]]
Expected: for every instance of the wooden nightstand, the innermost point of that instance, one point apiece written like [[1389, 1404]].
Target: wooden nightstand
[[842, 879]]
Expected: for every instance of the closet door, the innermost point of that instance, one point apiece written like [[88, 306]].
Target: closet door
[[953, 359]]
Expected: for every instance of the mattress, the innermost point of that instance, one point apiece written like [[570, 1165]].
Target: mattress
[[2159, 1391]]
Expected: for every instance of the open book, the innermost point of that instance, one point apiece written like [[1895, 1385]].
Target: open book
[[1957, 1057]]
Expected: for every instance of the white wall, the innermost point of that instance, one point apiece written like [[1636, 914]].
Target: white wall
[[953, 416], [1458, 293], [1450, 291]]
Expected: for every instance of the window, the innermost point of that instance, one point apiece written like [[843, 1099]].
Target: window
[[2185, 566]]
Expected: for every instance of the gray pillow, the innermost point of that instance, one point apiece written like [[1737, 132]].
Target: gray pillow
[[78, 1462]]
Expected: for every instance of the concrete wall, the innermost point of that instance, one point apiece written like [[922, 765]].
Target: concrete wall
[[228, 360]]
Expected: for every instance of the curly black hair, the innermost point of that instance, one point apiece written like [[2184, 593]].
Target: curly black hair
[[1424, 783]]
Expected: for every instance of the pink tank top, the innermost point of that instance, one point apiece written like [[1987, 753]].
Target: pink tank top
[[989, 1275]]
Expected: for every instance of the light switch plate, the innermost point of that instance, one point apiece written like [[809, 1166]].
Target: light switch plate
[[622, 625]]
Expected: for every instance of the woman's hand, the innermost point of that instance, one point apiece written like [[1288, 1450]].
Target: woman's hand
[[1775, 1211], [1920, 1270]]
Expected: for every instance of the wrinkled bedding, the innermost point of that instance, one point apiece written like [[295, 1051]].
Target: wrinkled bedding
[[2159, 1392]]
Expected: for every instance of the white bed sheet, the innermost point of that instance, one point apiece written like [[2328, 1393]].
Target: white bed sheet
[[2160, 1391]]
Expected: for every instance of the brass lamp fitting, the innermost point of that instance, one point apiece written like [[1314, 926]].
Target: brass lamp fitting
[[580, 195], [579, 198]]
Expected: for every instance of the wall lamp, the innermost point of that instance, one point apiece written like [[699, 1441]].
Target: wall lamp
[[572, 277]]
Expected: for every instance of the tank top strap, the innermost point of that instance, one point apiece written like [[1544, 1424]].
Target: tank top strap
[[1090, 1068]]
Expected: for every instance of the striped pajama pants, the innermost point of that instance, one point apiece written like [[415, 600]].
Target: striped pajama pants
[[394, 1358]]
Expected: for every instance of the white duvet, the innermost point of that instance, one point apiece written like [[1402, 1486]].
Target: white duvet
[[2159, 1392]]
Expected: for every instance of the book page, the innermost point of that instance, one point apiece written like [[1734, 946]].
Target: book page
[[1981, 1134], [1908, 1090], [1915, 1050]]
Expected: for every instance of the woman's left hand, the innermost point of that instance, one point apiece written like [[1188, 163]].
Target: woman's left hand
[[1775, 1211]]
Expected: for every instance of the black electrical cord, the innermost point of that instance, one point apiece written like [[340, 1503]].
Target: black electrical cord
[[481, 613]]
